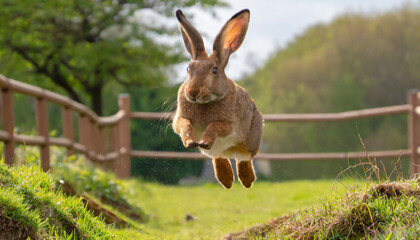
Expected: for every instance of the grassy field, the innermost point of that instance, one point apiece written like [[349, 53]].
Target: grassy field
[[219, 211], [385, 211], [215, 211], [41, 206]]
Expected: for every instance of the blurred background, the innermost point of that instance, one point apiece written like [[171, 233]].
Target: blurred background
[[298, 57]]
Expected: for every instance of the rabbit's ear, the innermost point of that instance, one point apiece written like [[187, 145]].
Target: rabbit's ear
[[231, 36], [192, 39]]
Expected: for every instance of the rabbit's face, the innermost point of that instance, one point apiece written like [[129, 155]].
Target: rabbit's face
[[206, 82]]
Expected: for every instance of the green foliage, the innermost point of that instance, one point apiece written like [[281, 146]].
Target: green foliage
[[358, 61], [84, 177], [79, 47], [92, 51]]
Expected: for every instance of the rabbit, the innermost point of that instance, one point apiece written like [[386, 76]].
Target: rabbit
[[214, 109]]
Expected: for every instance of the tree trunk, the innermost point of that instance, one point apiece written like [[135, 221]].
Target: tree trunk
[[57, 77], [96, 99]]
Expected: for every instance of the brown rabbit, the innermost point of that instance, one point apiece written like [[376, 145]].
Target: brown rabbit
[[213, 108]]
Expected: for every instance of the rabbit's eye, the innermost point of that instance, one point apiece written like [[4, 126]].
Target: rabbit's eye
[[214, 70], [188, 68]]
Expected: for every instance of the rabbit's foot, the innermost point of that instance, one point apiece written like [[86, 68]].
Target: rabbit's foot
[[190, 143], [246, 173], [223, 171]]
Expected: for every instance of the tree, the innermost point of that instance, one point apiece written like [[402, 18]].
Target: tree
[[82, 45]]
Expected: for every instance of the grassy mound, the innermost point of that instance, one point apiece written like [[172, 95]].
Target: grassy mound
[[80, 177], [381, 211], [30, 206]]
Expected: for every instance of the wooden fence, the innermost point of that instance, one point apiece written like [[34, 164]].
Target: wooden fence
[[107, 139]]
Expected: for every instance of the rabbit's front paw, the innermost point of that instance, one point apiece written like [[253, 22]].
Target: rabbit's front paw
[[204, 144], [190, 143]]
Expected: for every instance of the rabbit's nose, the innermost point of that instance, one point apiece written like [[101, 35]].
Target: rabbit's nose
[[192, 94]]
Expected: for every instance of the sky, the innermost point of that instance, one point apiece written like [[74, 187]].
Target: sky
[[273, 24]]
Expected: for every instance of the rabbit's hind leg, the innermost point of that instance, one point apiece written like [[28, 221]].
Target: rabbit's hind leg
[[223, 171], [246, 173]]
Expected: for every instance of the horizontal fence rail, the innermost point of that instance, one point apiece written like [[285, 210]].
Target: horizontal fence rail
[[107, 139], [334, 117], [304, 117], [278, 156]]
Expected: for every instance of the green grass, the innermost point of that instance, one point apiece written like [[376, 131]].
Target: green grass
[[31, 207], [219, 211], [104, 186], [389, 210], [31, 204], [28, 195]]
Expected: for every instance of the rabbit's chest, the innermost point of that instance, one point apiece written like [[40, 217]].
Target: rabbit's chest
[[204, 114], [223, 146], [221, 143]]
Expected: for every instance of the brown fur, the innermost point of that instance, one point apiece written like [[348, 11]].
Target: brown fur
[[246, 173], [223, 171], [212, 105]]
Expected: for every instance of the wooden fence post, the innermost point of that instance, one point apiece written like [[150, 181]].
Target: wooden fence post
[[113, 145], [122, 167], [82, 119], [42, 129], [101, 140], [8, 125], [90, 138], [414, 131], [96, 141], [68, 128]]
